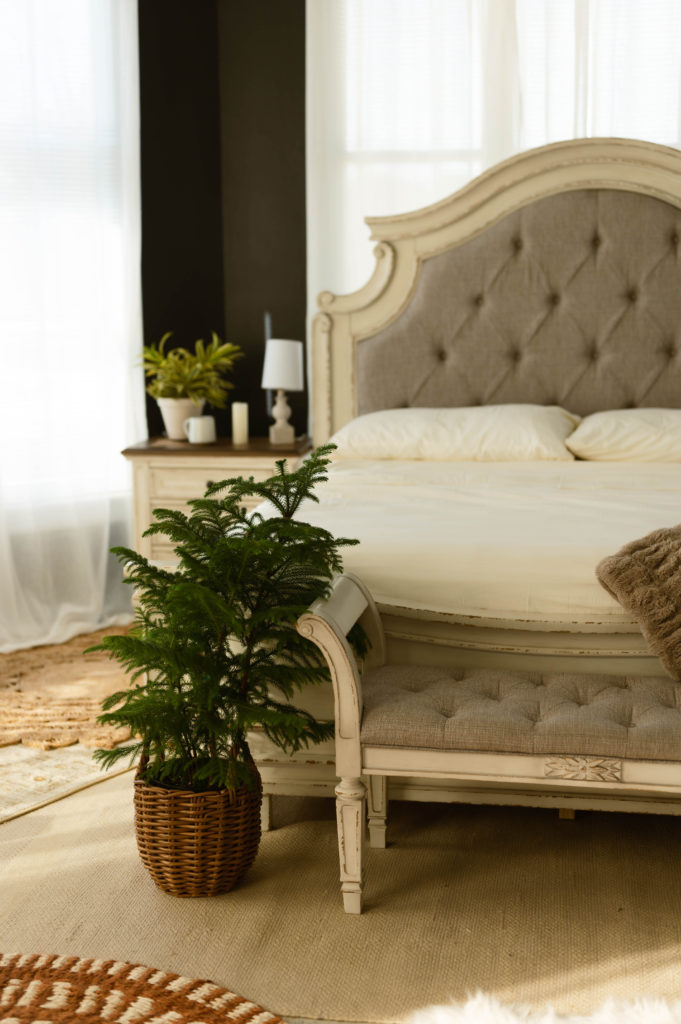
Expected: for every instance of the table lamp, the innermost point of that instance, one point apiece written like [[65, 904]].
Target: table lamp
[[282, 372]]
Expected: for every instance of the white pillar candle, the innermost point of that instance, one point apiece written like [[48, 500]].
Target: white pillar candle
[[240, 423]]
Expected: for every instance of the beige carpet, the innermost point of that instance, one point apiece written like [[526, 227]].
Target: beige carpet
[[512, 902]]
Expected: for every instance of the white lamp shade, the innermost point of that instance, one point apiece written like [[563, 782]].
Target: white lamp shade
[[283, 366]]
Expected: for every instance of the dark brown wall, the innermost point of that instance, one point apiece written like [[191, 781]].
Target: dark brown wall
[[223, 180], [262, 79]]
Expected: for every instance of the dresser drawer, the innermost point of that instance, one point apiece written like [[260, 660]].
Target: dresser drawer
[[168, 474], [162, 551], [183, 506], [191, 482]]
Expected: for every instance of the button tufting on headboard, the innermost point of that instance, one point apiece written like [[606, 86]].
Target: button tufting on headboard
[[555, 320]]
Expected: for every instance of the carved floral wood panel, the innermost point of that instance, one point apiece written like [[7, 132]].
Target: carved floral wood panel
[[589, 769]]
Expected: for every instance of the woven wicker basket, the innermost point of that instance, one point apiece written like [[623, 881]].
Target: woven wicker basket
[[196, 844]]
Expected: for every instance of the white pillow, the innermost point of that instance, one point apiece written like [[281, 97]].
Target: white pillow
[[629, 435], [501, 433]]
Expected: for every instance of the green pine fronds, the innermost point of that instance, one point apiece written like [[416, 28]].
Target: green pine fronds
[[215, 641]]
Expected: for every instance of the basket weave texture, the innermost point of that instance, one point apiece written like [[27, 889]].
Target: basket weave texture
[[196, 844]]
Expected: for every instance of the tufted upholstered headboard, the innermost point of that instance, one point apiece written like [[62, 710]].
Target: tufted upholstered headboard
[[554, 278]]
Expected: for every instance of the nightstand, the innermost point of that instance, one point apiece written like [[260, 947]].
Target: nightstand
[[168, 474]]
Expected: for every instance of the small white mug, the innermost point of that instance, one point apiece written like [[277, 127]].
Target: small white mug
[[200, 429]]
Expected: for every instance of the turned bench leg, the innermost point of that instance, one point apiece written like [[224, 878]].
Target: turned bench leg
[[350, 812], [378, 810], [266, 813]]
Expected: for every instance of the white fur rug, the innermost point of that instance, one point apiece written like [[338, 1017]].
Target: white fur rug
[[481, 1009]]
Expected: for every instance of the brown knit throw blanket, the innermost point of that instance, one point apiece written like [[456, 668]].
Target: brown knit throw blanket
[[645, 577]]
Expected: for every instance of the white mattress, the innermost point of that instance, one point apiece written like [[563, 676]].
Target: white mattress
[[504, 541]]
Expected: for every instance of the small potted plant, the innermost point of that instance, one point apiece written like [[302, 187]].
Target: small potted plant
[[182, 381], [213, 654]]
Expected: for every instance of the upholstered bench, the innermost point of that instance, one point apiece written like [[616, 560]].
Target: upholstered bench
[[598, 731], [481, 709]]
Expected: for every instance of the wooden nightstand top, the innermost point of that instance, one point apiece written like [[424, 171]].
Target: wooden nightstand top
[[222, 447]]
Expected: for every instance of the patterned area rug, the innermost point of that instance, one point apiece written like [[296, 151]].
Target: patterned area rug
[[55, 989], [32, 778]]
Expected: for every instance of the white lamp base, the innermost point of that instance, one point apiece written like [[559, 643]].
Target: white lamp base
[[281, 431]]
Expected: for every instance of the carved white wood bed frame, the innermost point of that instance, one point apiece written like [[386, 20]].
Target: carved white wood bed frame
[[340, 333]]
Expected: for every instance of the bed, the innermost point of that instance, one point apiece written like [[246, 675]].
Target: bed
[[550, 285]]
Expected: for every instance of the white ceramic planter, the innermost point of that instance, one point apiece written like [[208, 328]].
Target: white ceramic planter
[[174, 412]]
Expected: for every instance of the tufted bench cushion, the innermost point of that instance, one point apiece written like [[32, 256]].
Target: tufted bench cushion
[[530, 713]]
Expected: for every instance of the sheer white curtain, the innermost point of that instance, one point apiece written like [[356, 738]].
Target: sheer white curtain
[[70, 312], [407, 100]]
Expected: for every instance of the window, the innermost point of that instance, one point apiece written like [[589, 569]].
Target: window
[[70, 311], [410, 99]]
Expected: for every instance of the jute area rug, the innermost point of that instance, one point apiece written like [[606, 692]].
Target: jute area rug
[[63, 990], [50, 697], [510, 902]]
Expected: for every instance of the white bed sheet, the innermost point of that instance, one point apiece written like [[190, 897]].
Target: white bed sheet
[[507, 541]]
